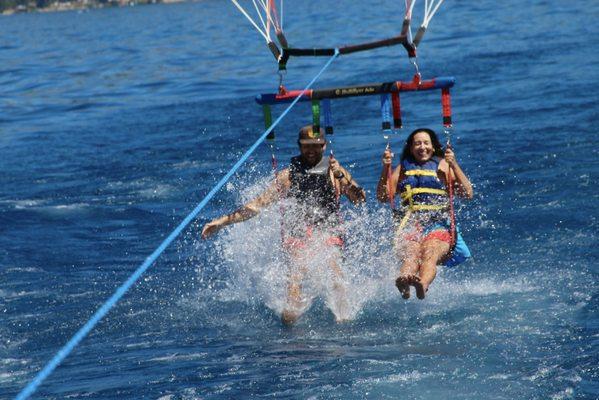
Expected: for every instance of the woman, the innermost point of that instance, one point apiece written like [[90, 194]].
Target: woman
[[423, 237]]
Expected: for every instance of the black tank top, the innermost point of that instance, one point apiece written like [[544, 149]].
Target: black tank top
[[311, 187]]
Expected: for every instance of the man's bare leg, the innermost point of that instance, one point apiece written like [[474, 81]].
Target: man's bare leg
[[293, 307], [339, 291]]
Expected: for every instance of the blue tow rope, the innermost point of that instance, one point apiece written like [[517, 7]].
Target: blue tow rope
[[105, 308]]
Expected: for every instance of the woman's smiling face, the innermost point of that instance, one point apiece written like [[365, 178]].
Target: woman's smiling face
[[422, 147]]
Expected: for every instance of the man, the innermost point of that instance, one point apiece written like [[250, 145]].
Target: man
[[314, 183]]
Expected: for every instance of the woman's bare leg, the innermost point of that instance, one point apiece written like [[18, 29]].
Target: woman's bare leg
[[433, 251], [408, 274]]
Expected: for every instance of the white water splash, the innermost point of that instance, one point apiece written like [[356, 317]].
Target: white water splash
[[258, 267]]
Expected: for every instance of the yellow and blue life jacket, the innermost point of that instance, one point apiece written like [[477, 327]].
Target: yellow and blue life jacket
[[422, 191]]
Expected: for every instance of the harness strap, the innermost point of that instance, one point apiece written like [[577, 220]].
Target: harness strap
[[316, 117], [427, 207], [404, 220], [328, 116], [452, 223], [446, 106], [385, 112], [268, 122], [421, 172], [397, 124], [412, 192]]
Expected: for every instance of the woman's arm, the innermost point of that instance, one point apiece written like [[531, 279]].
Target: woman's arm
[[460, 181]]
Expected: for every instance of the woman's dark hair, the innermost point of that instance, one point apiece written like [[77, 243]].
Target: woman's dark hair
[[437, 148]]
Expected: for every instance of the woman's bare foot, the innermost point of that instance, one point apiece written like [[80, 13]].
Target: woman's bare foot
[[420, 289], [404, 282]]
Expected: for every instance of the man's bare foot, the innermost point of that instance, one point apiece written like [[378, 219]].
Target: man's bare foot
[[403, 284], [340, 305], [289, 317]]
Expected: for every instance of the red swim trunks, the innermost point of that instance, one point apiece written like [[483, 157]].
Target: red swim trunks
[[419, 234], [298, 243]]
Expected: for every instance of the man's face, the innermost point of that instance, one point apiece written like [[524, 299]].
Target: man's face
[[312, 153]]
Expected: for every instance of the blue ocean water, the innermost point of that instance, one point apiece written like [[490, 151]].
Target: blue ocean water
[[115, 123]]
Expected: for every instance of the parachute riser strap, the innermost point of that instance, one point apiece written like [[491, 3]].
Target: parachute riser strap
[[328, 116], [266, 110], [386, 128], [397, 123], [281, 38], [419, 35], [385, 112], [452, 226], [316, 117], [446, 104], [274, 49]]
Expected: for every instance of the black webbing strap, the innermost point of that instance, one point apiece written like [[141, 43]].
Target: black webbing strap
[[321, 52]]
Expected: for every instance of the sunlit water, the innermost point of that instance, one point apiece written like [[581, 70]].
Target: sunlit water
[[115, 123]]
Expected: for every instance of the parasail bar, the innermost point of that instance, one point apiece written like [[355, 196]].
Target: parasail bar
[[401, 39], [355, 91], [315, 52], [321, 52]]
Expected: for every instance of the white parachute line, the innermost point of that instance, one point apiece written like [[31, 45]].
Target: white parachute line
[[410, 4], [409, 7], [268, 23], [263, 4], [266, 29], [281, 13], [435, 10], [427, 8], [270, 19], [431, 12], [250, 19]]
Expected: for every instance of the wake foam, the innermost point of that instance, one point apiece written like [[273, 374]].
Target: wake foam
[[250, 256]]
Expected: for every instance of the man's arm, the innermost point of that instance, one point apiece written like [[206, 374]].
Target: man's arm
[[385, 188], [347, 185], [273, 193]]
